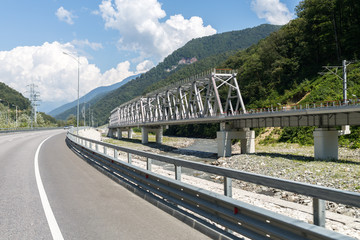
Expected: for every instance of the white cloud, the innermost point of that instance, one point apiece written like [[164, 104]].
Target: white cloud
[[64, 15], [85, 43], [120, 72], [140, 28], [144, 66], [54, 72], [273, 11]]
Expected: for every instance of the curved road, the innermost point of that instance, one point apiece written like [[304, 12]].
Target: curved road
[[85, 203]]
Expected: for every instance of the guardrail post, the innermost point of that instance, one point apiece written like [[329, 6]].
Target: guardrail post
[[129, 158], [115, 153], [105, 150], [96, 147], [319, 212], [148, 163], [228, 186], [178, 173]]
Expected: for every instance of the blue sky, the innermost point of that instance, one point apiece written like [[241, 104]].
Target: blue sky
[[114, 38]]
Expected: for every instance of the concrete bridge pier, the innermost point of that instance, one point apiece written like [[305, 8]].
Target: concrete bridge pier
[[130, 133], [119, 133], [326, 143], [226, 134], [248, 141], [145, 134], [111, 132]]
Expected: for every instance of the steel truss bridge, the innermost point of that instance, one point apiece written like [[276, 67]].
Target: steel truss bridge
[[215, 97], [190, 99]]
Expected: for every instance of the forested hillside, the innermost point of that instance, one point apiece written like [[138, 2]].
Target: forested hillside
[[195, 57], [284, 67], [15, 110], [13, 97], [325, 33]]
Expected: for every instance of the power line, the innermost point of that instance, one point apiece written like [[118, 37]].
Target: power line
[[34, 99]]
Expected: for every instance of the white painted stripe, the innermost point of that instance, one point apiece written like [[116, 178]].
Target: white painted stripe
[[54, 227]]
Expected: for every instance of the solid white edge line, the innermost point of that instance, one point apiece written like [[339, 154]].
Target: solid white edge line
[[54, 227]]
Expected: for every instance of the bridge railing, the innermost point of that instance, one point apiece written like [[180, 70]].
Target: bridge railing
[[239, 217], [316, 105]]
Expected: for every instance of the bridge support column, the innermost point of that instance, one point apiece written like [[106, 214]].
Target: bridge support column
[[111, 132], [226, 134], [130, 133], [145, 134], [119, 133], [248, 141], [326, 143], [159, 134], [224, 143]]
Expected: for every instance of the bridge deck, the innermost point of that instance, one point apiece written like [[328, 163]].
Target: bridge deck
[[322, 117]]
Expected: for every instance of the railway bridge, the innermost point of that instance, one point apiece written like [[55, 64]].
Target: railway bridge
[[215, 97]]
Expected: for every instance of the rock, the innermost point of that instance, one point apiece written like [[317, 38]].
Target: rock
[[294, 198], [334, 227]]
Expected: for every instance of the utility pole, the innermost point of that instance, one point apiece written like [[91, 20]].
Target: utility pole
[[334, 70], [34, 99], [344, 83], [89, 115]]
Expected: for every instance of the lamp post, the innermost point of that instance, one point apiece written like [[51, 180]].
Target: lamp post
[[78, 61]]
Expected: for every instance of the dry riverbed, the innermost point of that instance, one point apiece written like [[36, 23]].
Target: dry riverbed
[[286, 161]]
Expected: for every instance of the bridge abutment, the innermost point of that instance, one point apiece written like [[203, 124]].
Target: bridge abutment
[[326, 143], [145, 134], [226, 134]]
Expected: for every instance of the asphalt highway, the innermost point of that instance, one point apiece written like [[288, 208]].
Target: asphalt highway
[[48, 192]]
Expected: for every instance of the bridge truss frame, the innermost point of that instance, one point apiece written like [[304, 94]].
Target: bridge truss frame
[[196, 97]]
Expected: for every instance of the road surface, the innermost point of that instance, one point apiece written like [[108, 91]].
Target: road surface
[[47, 192]]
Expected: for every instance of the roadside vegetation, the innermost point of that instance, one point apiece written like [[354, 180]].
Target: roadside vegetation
[[15, 111]]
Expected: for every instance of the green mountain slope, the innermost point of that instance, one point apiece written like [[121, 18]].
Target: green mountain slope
[[283, 68], [15, 110], [274, 69], [208, 52], [7, 94]]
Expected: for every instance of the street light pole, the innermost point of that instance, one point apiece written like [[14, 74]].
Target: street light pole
[[77, 115]]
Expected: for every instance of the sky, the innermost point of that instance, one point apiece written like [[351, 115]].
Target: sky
[[110, 40]]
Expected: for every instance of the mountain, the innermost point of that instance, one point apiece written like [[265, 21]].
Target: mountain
[[283, 69], [88, 98], [13, 97], [196, 56]]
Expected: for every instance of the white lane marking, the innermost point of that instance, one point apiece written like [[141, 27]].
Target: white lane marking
[[54, 227]]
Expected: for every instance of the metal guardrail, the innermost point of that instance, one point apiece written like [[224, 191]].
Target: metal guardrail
[[234, 215], [8, 130]]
